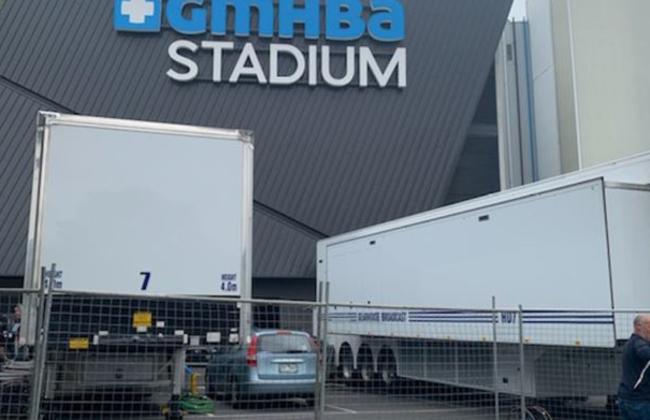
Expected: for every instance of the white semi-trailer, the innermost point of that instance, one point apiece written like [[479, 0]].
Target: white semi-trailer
[[140, 208], [565, 249], [133, 210]]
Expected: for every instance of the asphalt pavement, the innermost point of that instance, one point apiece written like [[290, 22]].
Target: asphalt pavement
[[345, 403]]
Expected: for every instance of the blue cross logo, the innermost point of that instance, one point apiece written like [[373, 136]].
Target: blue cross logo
[[137, 15]]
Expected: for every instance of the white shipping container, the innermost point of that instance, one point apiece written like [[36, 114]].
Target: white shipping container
[[140, 207]]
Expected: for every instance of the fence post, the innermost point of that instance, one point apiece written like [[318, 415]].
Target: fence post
[[522, 401], [41, 350], [321, 373], [495, 358]]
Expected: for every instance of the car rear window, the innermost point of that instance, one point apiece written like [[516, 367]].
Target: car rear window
[[284, 343]]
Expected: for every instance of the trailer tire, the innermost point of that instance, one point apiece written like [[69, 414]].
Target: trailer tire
[[387, 371], [365, 367], [346, 364], [331, 362]]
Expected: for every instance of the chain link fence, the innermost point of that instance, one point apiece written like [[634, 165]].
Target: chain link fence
[[474, 364], [154, 357], [150, 357]]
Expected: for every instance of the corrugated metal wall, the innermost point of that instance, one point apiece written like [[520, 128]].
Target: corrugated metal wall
[[327, 160]]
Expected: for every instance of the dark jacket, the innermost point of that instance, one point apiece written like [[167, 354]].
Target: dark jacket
[[635, 383]]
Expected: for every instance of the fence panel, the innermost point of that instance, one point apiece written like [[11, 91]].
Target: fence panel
[[138, 357], [134, 357], [511, 366], [455, 364], [411, 363], [578, 377]]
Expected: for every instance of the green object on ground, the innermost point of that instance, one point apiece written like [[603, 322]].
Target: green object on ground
[[193, 404]]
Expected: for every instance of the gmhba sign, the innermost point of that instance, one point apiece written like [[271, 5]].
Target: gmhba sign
[[343, 22]]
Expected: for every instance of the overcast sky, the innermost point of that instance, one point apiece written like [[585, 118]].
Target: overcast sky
[[518, 11]]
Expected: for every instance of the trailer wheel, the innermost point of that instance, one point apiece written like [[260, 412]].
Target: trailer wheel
[[331, 362], [364, 363], [346, 367], [387, 371], [539, 413]]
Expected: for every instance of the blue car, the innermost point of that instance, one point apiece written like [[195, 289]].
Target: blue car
[[276, 364]]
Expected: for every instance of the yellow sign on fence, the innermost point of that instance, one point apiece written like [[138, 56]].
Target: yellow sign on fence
[[142, 319], [79, 343]]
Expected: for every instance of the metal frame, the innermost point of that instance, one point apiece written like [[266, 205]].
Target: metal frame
[[32, 260], [54, 118], [36, 204], [517, 143], [628, 186], [246, 285], [609, 254]]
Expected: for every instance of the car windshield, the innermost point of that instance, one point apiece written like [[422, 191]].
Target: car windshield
[[284, 343]]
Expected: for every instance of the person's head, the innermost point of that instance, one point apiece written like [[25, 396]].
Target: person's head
[[642, 326], [18, 312]]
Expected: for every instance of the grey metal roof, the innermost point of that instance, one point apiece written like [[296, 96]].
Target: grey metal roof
[[327, 160], [285, 249]]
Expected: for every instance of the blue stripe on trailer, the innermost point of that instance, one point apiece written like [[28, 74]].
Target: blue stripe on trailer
[[475, 321], [566, 317], [584, 322]]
